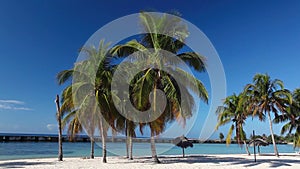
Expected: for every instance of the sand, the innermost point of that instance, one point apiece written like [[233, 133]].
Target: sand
[[289, 161]]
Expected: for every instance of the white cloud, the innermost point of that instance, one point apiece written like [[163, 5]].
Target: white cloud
[[21, 108], [52, 127], [12, 105], [11, 102]]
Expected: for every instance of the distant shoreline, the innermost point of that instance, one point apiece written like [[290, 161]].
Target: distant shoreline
[[16, 137]]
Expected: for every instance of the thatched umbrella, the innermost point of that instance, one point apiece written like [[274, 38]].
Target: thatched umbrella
[[182, 142], [258, 142]]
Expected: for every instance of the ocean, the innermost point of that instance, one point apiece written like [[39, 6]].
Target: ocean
[[24, 150]]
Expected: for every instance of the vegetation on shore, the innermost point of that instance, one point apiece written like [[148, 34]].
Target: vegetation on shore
[[258, 100]]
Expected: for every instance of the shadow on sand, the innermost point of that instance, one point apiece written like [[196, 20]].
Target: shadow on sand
[[20, 164], [277, 162]]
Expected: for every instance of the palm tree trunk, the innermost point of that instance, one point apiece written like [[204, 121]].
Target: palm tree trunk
[[113, 133], [92, 147], [272, 135], [130, 148], [60, 149], [127, 142], [127, 147], [153, 149], [237, 132], [103, 137], [246, 148], [104, 150]]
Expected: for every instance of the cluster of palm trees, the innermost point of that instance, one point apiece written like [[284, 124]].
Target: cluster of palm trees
[[88, 102], [259, 100]]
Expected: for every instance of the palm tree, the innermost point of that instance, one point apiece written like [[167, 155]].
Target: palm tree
[[267, 96], [90, 92], [233, 112], [293, 118], [153, 78], [104, 97], [58, 116]]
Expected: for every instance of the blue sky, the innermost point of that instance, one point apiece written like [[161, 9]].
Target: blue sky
[[40, 38]]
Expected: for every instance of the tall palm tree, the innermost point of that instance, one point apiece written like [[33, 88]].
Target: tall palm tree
[[90, 92], [268, 96], [104, 97], [152, 78], [233, 112], [292, 117]]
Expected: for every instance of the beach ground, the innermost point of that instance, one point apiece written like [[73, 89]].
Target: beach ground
[[290, 161]]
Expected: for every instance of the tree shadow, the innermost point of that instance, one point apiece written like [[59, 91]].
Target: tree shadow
[[203, 159], [21, 164], [273, 163]]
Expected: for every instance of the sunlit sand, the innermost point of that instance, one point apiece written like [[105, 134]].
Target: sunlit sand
[[191, 161]]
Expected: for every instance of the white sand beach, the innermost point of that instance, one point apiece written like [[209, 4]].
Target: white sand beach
[[290, 161]]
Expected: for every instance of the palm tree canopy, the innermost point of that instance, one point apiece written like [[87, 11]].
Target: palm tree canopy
[[267, 95], [168, 34], [292, 117], [82, 103], [232, 112]]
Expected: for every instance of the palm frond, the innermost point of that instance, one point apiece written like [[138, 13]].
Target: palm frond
[[229, 135], [63, 76], [194, 60]]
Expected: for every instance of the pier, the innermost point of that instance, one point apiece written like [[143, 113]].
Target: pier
[[17, 137], [11, 137]]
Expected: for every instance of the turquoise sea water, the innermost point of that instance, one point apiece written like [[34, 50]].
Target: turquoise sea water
[[22, 150]]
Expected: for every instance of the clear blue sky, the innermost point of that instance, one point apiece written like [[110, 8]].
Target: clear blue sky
[[39, 38]]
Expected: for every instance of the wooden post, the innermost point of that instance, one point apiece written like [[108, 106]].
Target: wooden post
[[58, 116]]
